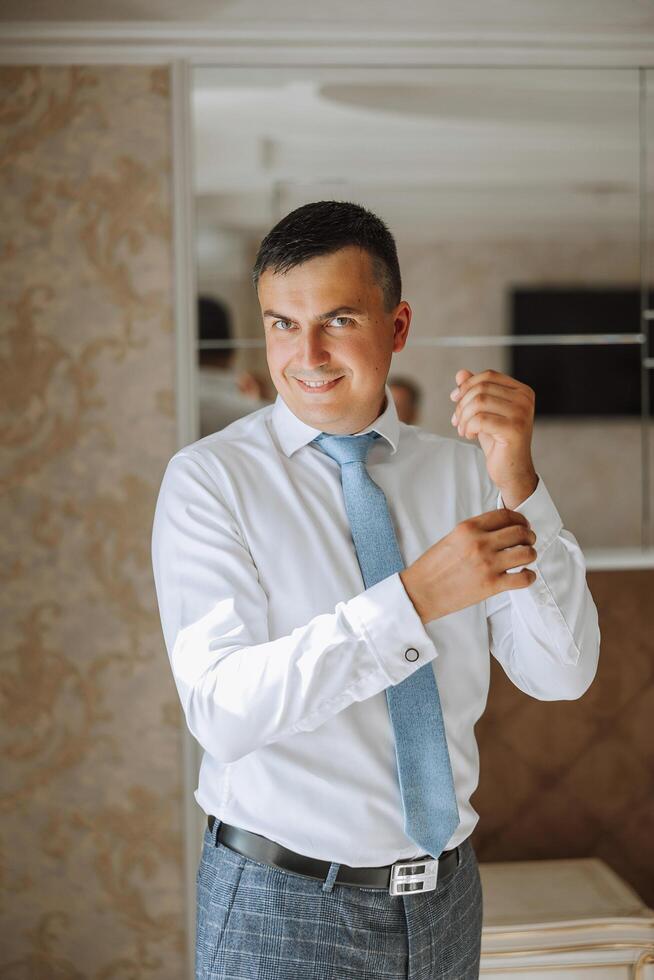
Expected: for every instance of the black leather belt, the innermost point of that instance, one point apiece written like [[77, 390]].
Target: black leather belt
[[417, 875]]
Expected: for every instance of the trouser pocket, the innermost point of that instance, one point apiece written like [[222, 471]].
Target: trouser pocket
[[218, 877]]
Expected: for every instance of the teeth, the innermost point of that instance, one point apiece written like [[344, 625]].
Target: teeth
[[317, 384]]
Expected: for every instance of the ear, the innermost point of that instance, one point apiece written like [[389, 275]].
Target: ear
[[401, 324]]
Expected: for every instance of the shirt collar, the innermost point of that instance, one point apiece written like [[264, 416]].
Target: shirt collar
[[293, 433]]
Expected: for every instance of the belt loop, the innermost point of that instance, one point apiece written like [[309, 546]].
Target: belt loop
[[213, 830], [331, 876]]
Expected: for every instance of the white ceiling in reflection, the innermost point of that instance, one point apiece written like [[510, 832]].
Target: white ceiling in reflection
[[438, 153]]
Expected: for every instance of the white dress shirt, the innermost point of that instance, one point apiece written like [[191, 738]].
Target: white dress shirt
[[281, 657]]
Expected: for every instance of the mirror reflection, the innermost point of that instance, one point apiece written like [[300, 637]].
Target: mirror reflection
[[513, 196]]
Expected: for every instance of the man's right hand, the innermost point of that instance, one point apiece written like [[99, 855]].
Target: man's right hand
[[470, 563]]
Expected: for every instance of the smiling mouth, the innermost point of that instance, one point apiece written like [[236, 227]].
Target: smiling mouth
[[318, 388]]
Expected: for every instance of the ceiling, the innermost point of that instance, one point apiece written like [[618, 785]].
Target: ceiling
[[510, 153], [454, 152]]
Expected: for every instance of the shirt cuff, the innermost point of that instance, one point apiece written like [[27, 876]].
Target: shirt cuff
[[386, 616], [544, 518]]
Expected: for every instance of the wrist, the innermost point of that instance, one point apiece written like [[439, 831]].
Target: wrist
[[408, 580], [517, 491]]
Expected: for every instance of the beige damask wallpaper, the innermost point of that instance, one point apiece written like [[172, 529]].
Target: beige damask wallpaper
[[90, 840]]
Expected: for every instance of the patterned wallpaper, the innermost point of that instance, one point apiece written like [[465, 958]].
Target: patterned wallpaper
[[90, 840]]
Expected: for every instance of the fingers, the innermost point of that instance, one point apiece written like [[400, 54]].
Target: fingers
[[489, 394], [515, 557], [492, 520], [483, 402], [511, 540], [513, 535], [517, 580], [483, 377]]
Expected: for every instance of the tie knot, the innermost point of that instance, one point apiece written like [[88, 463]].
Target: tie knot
[[346, 449]]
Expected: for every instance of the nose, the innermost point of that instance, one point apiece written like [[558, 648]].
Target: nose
[[312, 353]]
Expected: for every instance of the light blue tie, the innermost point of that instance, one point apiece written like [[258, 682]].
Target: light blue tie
[[423, 763]]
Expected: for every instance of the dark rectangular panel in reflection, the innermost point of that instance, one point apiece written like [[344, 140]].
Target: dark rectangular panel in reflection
[[579, 380]]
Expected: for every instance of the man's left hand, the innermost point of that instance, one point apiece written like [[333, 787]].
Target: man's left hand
[[500, 411]]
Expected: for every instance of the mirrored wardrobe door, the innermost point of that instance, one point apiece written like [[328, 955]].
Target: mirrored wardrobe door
[[514, 198]]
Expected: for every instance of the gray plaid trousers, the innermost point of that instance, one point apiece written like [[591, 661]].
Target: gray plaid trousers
[[256, 922]]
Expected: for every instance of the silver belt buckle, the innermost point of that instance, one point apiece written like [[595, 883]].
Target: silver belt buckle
[[413, 876]]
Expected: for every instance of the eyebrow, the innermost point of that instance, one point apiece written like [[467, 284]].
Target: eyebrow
[[321, 316]]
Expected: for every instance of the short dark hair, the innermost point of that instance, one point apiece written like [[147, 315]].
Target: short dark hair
[[322, 227], [214, 323], [214, 320]]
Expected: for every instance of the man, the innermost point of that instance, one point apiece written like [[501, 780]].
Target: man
[[330, 582], [224, 394], [407, 397]]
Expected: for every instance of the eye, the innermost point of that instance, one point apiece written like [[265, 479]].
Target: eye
[[344, 322]]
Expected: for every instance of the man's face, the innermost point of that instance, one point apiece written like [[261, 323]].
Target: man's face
[[325, 320]]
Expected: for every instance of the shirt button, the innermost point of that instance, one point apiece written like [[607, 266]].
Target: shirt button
[[411, 655]]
